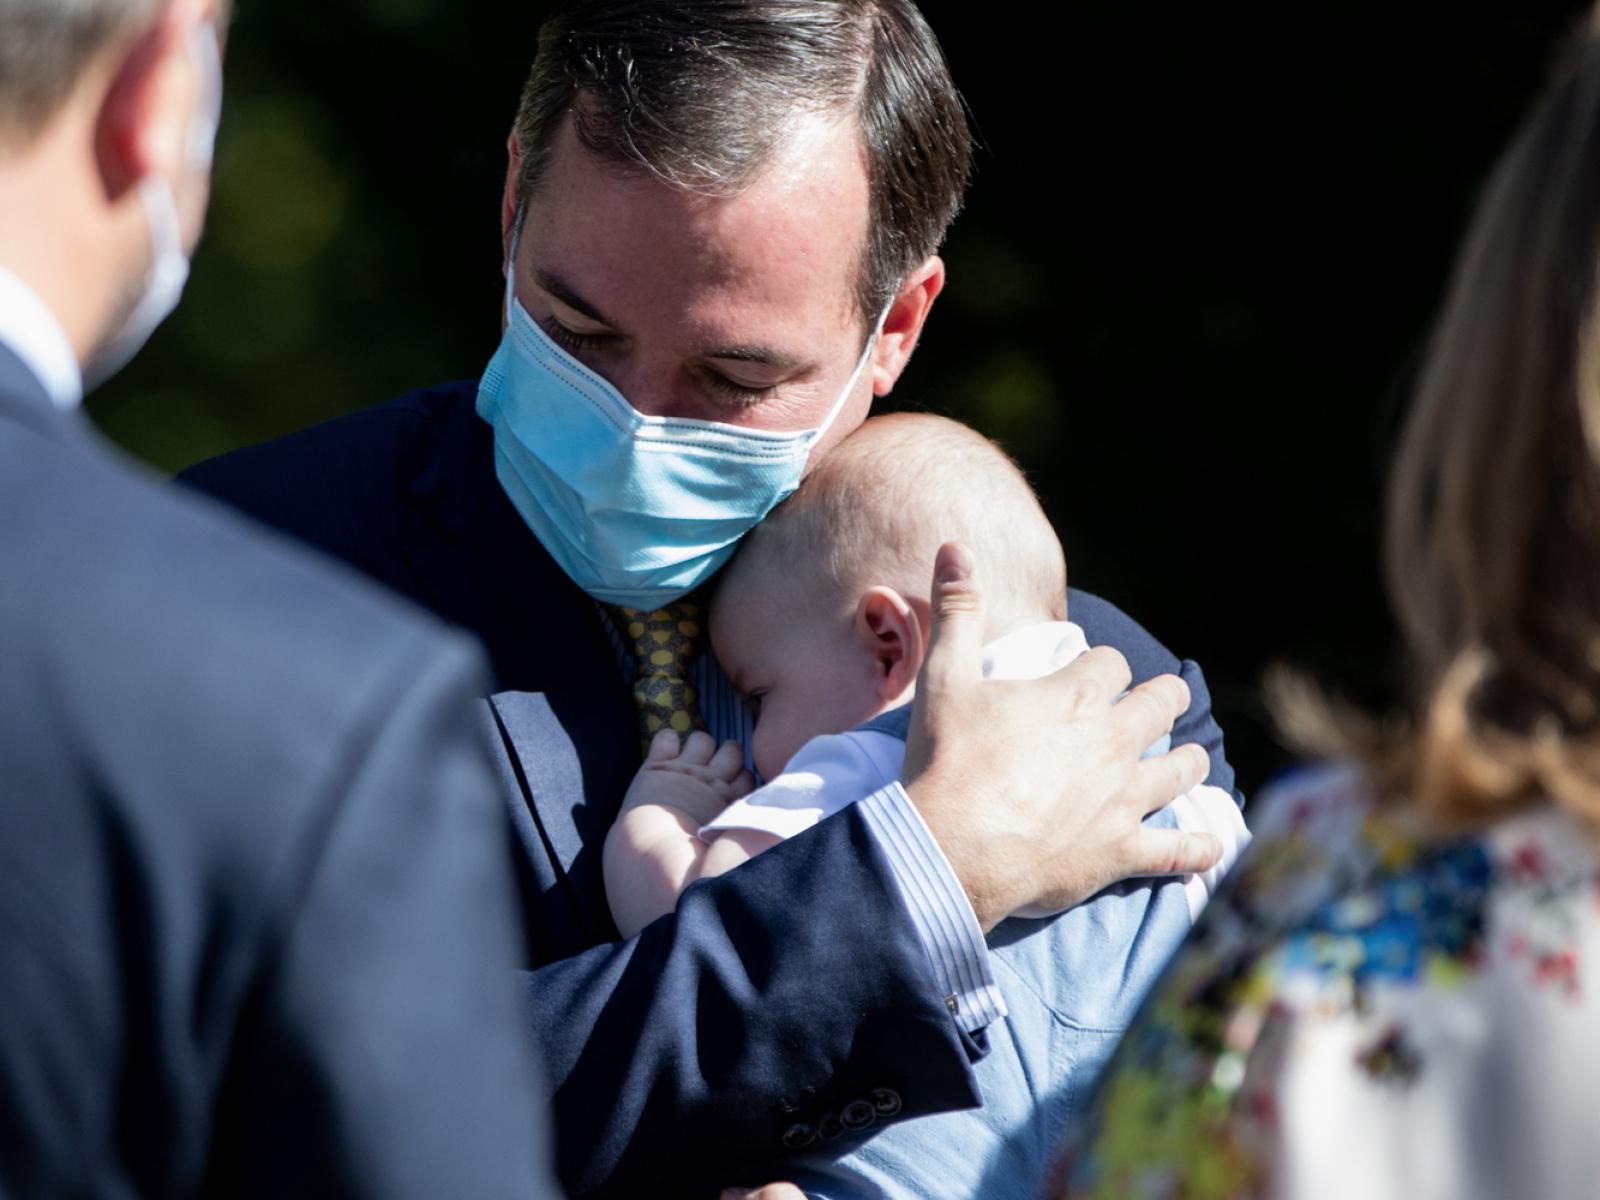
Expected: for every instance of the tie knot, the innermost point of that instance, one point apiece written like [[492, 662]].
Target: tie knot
[[665, 640]]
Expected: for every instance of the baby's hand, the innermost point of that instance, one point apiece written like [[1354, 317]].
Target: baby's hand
[[700, 779], [655, 850]]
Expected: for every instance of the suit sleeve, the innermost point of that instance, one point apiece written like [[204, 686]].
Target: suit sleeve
[[742, 1026], [392, 1058]]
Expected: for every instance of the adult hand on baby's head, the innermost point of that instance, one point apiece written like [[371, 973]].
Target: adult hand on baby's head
[[1035, 789]]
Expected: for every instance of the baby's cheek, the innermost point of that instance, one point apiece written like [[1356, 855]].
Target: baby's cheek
[[769, 749], [761, 754]]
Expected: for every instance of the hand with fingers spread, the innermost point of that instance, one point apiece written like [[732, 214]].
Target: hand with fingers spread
[[1035, 790], [654, 850]]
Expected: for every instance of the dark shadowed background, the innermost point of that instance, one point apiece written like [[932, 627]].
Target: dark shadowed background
[[1189, 291]]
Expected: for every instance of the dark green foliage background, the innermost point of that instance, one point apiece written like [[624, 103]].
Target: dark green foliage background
[[1191, 285]]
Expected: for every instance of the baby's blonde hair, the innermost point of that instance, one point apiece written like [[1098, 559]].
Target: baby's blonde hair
[[878, 507]]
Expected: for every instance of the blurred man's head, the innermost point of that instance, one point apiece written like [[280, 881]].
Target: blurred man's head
[[107, 110], [722, 198]]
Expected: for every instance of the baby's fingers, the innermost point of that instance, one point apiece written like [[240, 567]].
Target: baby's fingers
[[698, 747], [728, 761], [663, 747]]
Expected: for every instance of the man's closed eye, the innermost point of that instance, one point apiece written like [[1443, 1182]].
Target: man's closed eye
[[571, 340]]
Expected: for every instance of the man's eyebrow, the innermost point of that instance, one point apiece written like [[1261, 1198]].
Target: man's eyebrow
[[568, 295], [762, 355], [767, 356]]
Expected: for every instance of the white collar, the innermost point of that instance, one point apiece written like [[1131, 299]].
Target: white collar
[[30, 331], [1033, 651]]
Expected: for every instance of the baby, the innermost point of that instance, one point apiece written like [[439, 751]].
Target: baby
[[821, 622]]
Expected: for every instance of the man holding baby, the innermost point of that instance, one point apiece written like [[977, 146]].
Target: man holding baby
[[720, 225]]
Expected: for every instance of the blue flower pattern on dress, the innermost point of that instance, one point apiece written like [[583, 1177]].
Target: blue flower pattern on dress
[[1390, 928], [1354, 973]]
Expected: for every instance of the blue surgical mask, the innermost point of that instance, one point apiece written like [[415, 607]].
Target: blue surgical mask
[[638, 510]]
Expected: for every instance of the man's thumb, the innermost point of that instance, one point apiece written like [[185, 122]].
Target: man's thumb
[[955, 643]]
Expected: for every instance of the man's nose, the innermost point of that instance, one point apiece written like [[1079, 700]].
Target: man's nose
[[657, 389]]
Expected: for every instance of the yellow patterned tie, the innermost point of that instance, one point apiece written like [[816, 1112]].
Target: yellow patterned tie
[[664, 643]]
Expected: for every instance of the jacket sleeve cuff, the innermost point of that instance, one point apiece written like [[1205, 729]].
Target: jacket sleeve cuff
[[939, 909]]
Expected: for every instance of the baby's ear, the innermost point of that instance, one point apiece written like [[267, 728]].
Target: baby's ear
[[889, 630]]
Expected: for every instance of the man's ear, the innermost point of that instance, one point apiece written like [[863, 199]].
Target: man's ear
[[511, 200], [903, 324], [890, 631], [142, 125]]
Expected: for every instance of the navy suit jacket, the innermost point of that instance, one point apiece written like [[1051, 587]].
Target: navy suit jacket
[[255, 904], [777, 994]]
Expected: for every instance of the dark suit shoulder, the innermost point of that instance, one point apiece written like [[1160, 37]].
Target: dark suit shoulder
[[1104, 624], [245, 836], [369, 438], [161, 642], [343, 485]]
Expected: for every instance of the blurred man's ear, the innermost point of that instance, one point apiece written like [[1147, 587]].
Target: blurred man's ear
[[891, 633], [148, 106]]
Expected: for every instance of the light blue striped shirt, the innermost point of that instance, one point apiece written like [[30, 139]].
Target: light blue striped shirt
[[938, 905]]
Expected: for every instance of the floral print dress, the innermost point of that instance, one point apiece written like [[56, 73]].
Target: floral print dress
[[1362, 1013]]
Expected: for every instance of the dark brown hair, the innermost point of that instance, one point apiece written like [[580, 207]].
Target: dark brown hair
[[700, 92]]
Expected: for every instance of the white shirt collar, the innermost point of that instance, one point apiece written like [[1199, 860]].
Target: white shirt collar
[[30, 331], [1033, 651]]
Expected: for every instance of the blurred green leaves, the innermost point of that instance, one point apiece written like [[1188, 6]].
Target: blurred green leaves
[[278, 199], [278, 203]]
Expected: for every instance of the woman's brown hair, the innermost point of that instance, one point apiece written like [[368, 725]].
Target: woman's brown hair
[[1493, 521]]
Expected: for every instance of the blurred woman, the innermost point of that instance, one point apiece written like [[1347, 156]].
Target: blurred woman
[[1398, 992]]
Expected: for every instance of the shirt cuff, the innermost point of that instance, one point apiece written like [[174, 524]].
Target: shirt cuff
[[939, 908]]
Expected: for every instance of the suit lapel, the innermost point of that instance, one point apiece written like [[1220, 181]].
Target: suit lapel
[[541, 780], [572, 729]]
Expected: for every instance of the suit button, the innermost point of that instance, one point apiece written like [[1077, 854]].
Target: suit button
[[886, 1101], [798, 1137], [829, 1127], [858, 1114]]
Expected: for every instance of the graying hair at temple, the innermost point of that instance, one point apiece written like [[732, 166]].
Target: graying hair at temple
[[45, 46], [700, 92]]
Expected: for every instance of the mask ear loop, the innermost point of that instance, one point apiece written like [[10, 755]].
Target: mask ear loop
[[511, 257], [202, 142], [855, 375]]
